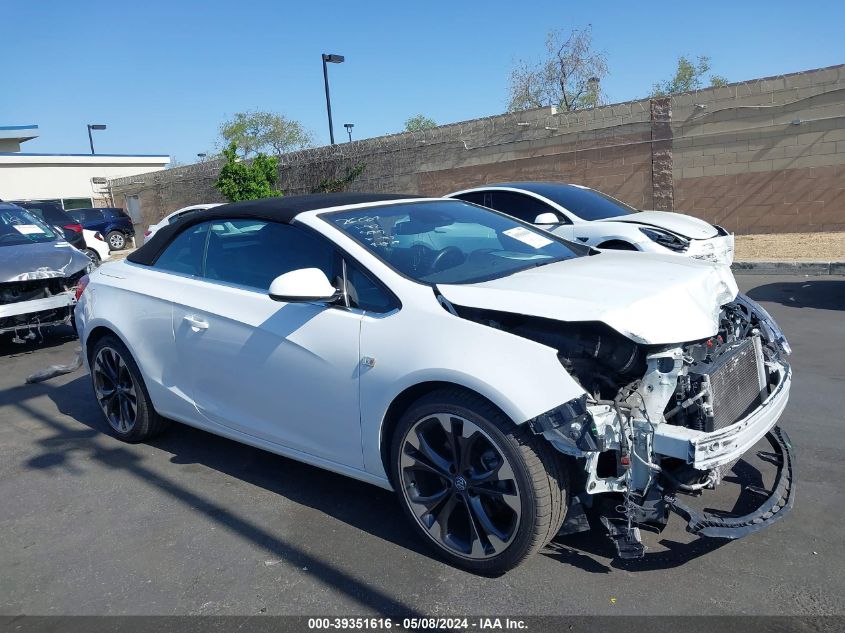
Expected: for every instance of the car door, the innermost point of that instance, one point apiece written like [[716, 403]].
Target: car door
[[286, 373]]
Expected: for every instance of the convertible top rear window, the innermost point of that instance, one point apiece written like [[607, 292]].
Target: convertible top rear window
[[450, 241]]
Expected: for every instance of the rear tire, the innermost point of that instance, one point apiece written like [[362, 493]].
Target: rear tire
[[483, 493], [93, 256], [121, 392], [116, 240]]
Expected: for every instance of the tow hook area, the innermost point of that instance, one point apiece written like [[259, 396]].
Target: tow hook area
[[773, 508], [622, 522], [629, 544]]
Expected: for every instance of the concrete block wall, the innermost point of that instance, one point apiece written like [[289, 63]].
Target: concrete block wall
[[731, 155], [764, 156]]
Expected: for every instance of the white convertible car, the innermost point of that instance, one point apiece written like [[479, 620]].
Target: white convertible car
[[588, 216], [498, 378]]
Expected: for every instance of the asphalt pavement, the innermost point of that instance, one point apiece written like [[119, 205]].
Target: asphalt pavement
[[195, 524]]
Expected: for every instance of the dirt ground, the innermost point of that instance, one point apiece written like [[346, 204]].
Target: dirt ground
[[820, 247]]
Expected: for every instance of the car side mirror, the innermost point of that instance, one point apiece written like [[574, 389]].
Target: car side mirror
[[547, 218], [303, 286]]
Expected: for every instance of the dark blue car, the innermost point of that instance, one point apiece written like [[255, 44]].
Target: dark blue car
[[114, 223]]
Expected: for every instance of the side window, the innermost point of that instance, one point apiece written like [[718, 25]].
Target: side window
[[182, 215], [476, 197], [364, 293], [253, 252], [184, 254], [520, 206]]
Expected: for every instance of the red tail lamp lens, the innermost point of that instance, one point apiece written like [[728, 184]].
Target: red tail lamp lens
[[80, 287]]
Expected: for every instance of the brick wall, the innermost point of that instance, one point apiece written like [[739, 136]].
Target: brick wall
[[760, 156]]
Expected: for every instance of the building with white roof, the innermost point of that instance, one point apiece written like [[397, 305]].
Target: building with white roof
[[73, 180]]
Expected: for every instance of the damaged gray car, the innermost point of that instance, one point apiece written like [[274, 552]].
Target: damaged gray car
[[39, 274]]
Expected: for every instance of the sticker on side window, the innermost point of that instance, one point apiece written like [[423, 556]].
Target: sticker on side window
[[535, 240], [28, 229]]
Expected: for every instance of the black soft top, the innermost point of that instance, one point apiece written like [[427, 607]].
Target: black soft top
[[283, 210]]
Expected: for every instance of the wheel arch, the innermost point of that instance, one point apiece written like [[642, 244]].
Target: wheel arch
[[618, 244], [97, 333], [405, 399]]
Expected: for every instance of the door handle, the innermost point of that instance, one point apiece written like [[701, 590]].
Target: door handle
[[196, 323]]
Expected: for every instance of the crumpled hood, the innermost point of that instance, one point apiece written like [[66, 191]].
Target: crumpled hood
[[651, 299], [40, 261], [684, 225]]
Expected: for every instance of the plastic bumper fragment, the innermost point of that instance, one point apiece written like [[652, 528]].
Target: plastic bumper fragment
[[773, 508]]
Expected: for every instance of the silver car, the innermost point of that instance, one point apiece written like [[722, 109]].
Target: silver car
[[39, 272]]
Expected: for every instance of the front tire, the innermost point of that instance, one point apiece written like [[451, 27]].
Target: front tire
[[116, 240], [121, 392], [484, 493]]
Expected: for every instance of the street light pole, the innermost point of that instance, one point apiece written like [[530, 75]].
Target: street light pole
[[330, 59], [349, 127], [91, 126]]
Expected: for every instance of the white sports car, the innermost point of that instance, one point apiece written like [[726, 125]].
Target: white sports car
[[176, 215], [591, 217], [498, 378]]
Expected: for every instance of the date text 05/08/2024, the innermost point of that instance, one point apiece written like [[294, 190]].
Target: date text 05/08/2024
[[417, 623]]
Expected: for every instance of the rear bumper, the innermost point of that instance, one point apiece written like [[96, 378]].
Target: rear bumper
[[705, 451]]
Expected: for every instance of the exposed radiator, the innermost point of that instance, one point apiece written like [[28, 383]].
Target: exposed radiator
[[737, 383]]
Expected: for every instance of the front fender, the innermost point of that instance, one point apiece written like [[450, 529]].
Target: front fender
[[521, 377]]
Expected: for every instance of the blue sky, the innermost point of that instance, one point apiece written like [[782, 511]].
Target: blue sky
[[163, 75]]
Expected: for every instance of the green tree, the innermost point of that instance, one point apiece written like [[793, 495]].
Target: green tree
[[689, 76], [569, 77], [418, 123], [241, 179], [267, 132]]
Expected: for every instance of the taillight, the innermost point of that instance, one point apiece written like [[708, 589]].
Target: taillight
[[147, 233], [80, 287], [76, 228]]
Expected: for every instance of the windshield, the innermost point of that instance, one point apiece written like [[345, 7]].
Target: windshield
[[588, 204], [18, 226], [451, 242]]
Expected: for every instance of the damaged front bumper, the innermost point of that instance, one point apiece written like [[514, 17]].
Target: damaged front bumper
[[648, 453], [41, 298], [48, 311], [705, 451], [774, 508], [719, 250]]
